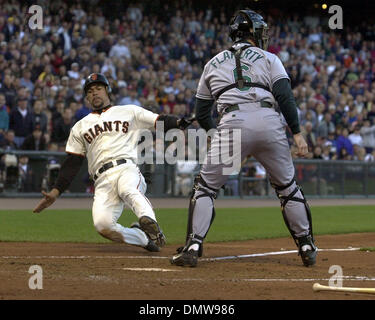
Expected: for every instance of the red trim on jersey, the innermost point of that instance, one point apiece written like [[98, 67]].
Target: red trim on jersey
[[102, 110], [76, 154], [139, 175]]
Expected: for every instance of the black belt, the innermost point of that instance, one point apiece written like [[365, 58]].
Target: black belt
[[107, 166], [233, 107]]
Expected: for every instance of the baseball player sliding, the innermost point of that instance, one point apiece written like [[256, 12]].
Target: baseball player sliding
[[108, 137], [247, 83]]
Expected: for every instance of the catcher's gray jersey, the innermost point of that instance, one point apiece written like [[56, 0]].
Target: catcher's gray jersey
[[257, 66]]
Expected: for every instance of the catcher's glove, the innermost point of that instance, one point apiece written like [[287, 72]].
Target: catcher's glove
[[184, 123]]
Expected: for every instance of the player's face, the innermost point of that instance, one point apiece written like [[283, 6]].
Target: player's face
[[97, 96]]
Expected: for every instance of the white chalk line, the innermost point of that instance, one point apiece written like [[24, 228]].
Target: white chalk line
[[346, 278], [271, 254], [151, 269], [162, 257], [83, 257]]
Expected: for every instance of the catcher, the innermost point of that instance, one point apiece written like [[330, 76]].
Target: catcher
[[249, 84]]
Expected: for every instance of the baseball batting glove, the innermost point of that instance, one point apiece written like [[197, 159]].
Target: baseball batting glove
[[184, 123]]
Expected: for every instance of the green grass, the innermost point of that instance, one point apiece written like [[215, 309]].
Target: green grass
[[369, 249], [229, 224]]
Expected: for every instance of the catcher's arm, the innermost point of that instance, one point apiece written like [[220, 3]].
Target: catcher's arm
[[203, 113], [284, 96], [68, 171]]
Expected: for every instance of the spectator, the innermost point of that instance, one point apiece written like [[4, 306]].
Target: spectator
[[317, 153], [35, 141], [83, 111], [37, 49], [343, 142], [26, 176], [64, 33], [120, 50], [359, 153], [327, 153], [131, 97], [309, 136], [326, 126], [57, 112], [9, 91], [68, 60], [25, 81], [344, 155], [160, 51], [39, 118], [8, 143], [368, 136], [370, 157], [4, 116], [21, 122], [62, 127], [11, 29], [73, 73], [355, 137], [76, 96]]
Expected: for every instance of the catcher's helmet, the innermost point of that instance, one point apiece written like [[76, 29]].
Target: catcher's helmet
[[249, 24], [96, 78]]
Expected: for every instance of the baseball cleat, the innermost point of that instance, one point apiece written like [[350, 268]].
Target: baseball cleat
[[152, 229], [151, 245], [307, 250], [187, 258]]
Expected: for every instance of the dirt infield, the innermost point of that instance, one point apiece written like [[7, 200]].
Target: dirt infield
[[118, 271]]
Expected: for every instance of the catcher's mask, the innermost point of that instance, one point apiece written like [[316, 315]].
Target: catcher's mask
[[97, 78], [247, 24]]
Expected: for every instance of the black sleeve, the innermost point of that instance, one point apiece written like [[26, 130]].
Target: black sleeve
[[203, 113], [170, 122], [68, 171], [284, 96]]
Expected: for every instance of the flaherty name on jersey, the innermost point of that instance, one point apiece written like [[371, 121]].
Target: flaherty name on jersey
[[248, 54], [108, 126]]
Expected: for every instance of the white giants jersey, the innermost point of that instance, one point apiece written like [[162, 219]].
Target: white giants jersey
[[257, 66], [111, 135]]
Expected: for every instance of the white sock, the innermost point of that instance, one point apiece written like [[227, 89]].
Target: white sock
[[135, 236]]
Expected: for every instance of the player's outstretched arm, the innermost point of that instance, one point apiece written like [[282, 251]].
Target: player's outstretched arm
[[68, 171], [48, 199]]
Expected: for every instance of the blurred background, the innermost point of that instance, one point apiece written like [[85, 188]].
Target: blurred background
[[153, 53]]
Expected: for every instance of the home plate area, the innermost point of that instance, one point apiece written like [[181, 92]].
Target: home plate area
[[244, 270]]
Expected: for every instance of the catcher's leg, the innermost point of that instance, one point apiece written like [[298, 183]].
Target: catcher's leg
[[297, 216], [214, 174], [276, 158], [200, 218]]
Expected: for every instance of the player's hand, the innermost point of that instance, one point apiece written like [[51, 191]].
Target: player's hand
[[301, 144], [184, 123], [49, 198]]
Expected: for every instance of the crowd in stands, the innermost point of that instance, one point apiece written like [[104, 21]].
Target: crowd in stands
[[154, 58]]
